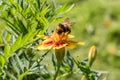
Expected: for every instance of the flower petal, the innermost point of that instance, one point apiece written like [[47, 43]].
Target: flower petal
[[81, 43], [72, 44], [59, 45], [71, 36], [47, 44]]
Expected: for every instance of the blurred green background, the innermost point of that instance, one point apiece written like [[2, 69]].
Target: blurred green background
[[97, 23]]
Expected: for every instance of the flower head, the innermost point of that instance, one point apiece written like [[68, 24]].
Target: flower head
[[59, 38]]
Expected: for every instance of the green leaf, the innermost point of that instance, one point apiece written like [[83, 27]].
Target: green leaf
[[28, 38], [14, 65], [44, 11], [34, 65], [22, 75], [8, 37], [11, 25], [22, 27], [2, 61], [19, 62], [7, 51], [64, 9], [22, 23], [17, 44], [4, 37], [54, 60], [1, 41], [11, 75]]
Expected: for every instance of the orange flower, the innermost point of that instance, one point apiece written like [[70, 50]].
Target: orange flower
[[57, 41], [60, 38]]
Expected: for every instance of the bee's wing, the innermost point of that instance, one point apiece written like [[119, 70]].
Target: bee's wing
[[67, 20], [72, 23]]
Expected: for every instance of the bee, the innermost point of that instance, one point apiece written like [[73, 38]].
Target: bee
[[65, 26]]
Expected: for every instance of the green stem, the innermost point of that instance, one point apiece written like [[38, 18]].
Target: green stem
[[59, 53], [58, 69]]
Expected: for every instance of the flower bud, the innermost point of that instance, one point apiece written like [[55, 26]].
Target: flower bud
[[92, 55]]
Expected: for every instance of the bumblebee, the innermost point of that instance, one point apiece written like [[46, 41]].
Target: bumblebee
[[64, 26]]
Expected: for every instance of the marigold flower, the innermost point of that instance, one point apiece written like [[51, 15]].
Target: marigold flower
[[60, 38], [57, 41]]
